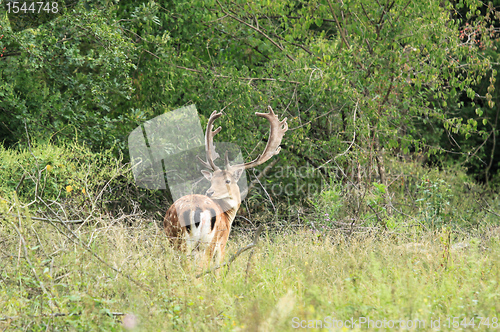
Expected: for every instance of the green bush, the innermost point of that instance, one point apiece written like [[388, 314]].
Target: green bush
[[420, 197], [63, 173]]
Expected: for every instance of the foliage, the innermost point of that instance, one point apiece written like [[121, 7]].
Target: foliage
[[434, 201], [477, 150], [420, 197], [52, 172], [66, 77], [71, 180], [352, 80]]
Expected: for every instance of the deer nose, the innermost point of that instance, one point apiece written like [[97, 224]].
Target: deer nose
[[210, 192]]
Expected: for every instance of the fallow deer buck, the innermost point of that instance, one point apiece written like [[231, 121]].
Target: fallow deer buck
[[199, 225]]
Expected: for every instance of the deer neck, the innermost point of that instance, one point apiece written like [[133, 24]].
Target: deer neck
[[230, 207]]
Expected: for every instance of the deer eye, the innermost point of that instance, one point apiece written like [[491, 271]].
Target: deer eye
[[228, 181]]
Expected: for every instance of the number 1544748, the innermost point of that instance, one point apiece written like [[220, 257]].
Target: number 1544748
[[15, 7]]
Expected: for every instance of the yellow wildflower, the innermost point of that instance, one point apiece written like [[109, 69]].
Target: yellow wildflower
[[69, 188], [48, 168]]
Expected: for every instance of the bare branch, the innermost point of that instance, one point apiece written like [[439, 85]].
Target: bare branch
[[256, 29], [250, 79], [341, 30], [239, 252]]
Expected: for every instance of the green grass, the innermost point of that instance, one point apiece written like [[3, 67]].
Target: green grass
[[435, 256], [292, 278]]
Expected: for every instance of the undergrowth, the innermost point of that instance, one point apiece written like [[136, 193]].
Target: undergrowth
[[423, 249], [100, 276]]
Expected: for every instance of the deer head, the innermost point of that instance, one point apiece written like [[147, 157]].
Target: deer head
[[224, 184]]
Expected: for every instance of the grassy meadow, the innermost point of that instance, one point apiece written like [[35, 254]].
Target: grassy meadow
[[107, 275], [70, 264]]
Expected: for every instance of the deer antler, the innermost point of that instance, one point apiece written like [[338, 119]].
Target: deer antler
[[209, 142], [278, 129]]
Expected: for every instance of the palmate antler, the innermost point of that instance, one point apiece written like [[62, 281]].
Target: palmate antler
[[209, 142], [278, 129]]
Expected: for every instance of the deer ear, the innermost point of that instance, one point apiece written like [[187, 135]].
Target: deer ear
[[237, 173], [207, 175]]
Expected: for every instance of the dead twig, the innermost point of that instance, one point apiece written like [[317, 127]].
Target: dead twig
[[488, 208], [239, 252], [20, 182], [75, 239], [56, 314], [256, 29], [249, 79], [77, 221]]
